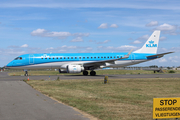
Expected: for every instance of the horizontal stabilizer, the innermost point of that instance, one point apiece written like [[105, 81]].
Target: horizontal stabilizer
[[158, 55]]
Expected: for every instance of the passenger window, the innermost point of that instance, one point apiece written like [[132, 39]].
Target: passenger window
[[75, 57], [53, 57], [57, 58], [87, 57], [104, 57], [98, 57], [111, 56], [71, 57], [68, 58], [60, 57], [45, 58], [107, 57], [79, 57], [41, 58], [114, 57], [91, 57], [94, 57], [83, 57], [101, 57], [49, 58], [117, 56], [64, 57]]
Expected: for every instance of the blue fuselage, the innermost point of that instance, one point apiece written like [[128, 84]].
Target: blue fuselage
[[56, 60]]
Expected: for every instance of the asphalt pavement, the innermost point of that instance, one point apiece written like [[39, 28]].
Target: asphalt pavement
[[4, 77], [19, 101]]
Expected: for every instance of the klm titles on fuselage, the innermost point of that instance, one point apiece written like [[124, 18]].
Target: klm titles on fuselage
[[151, 44]]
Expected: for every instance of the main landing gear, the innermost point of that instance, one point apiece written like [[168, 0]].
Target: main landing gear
[[85, 73], [92, 73]]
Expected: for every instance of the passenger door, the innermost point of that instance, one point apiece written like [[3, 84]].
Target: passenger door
[[31, 59]]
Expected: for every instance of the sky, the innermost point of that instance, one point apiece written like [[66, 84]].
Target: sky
[[88, 26]]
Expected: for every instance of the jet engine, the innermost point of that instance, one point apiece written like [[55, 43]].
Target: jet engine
[[74, 69]]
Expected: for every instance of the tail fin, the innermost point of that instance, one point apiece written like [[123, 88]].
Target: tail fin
[[151, 44]]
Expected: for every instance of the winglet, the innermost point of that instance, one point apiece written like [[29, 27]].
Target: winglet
[[130, 52], [127, 56]]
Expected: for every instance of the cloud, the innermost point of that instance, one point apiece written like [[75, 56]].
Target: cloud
[[137, 42], [68, 47], [127, 47], [175, 49], [45, 33], [162, 60], [92, 40], [162, 38], [78, 39], [81, 34], [174, 59], [24, 46], [51, 48], [167, 29], [72, 47], [38, 32], [123, 48], [88, 48], [96, 4], [114, 26], [144, 37], [106, 41], [59, 35], [152, 23], [96, 42], [103, 26]]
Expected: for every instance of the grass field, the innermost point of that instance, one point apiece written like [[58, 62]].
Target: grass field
[[124, 99], [98, 72]]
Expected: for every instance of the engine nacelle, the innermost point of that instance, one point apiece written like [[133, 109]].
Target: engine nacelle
[[62, 71], [74, 69]]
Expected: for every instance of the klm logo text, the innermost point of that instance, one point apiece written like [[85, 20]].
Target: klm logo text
[[151, 44]]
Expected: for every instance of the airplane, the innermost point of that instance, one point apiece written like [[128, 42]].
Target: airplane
[[81, 62]]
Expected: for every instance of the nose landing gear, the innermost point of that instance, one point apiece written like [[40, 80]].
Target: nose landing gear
[[26, 73]]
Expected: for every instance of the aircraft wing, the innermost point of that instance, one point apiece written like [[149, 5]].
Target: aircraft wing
[[102, 62], [158, 55]]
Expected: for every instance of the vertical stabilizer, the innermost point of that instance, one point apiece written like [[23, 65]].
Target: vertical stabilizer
[[151, 44]]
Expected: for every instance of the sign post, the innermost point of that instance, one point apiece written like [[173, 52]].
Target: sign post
[[166, 108]]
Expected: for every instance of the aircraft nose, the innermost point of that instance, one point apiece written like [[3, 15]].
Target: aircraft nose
[[9, 64]]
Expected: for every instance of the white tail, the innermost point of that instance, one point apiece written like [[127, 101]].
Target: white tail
[[151, 44]]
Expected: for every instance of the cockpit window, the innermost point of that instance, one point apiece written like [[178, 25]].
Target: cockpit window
[[18, 58]]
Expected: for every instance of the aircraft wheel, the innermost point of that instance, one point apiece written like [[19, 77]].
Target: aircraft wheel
[[92, 73], [85, 73]]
